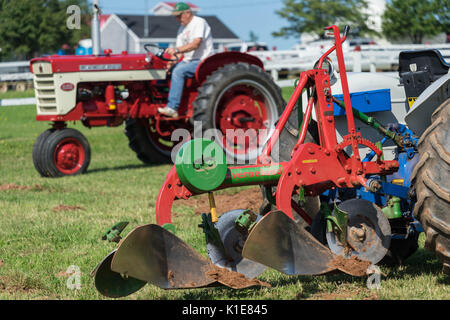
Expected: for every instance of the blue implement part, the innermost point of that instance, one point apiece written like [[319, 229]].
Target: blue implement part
[[366, 101]]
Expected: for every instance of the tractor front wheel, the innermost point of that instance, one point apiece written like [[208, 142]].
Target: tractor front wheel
[[63, 152], [37, 148]]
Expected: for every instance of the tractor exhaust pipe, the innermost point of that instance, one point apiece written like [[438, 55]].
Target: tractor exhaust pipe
[[95, 30]]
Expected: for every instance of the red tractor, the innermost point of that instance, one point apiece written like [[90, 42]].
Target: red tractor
[[229, 91]]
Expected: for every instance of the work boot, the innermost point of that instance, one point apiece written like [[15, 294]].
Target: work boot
[[169, 112]]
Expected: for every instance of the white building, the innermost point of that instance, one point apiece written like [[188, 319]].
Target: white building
[[130, 32]]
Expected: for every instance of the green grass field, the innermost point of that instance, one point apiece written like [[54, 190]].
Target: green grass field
[[29, 93], [39, 240]]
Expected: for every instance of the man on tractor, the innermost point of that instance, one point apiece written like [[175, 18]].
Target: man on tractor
[[195, 43]]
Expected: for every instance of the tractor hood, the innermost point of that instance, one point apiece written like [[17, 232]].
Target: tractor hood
[[107, 62]]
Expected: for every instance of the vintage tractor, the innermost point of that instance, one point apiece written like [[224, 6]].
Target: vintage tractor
[[230, 91], [243, 242]]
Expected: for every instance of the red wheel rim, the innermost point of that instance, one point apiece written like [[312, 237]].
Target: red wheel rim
[[243, 106], [69, 156]]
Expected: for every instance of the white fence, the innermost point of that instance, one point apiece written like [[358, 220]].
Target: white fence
[[370, 58], [284, 63], [15, 75]]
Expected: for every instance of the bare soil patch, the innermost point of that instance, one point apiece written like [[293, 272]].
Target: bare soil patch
[[12, 287], [246, 199], [353, 265], [63, 207], [233, 279], [345, 294], [62, 274], [13, 186]]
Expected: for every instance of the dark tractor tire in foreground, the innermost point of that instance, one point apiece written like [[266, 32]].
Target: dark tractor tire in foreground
[[143, 143], [37, 147], [239, 96], [61, 153], [431, 181]]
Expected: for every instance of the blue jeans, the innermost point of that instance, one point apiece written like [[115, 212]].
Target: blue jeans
[[180, 72]]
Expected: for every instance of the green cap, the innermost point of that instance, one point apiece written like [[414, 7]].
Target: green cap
[[179, 8]]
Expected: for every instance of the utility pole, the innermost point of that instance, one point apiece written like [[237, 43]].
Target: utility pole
[[146, 31], [95, 30]]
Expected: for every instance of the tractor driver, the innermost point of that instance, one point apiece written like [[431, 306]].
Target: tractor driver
[[194, 41]]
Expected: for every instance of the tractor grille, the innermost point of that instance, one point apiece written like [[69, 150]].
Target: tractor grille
[[44, 88]]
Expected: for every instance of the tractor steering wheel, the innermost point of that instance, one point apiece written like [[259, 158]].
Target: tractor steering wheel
[[157, 51]]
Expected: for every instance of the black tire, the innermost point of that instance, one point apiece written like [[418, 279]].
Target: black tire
[[142, 144], [225, 80], [431, 181], [37, 148], [75, 162]]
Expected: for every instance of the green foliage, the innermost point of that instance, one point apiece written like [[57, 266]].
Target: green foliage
[[415, 19], [312, 16], [443, 14], [253, 37], [32, 27]]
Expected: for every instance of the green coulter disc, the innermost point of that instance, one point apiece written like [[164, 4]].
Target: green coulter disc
[[201, 165]]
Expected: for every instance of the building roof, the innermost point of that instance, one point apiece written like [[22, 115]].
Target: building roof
[[103, 19], [166, 7], [167, 26]]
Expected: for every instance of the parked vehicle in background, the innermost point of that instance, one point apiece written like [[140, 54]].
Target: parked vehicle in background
[[247, 46]]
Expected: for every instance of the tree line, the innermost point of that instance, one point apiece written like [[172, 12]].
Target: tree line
[[29, 28], [413, 19]]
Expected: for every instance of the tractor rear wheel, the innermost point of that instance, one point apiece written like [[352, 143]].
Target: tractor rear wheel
[[63, 152], [149, 147], [431, 181], [239, 97]]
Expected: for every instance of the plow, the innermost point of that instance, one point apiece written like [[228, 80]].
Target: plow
[[307, 226]]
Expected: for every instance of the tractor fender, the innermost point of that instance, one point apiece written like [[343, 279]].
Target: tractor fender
[[216, 61], [418, 118]]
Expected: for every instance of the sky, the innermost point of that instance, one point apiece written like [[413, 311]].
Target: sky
[[240, 16]]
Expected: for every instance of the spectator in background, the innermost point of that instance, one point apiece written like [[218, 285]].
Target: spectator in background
[[195, 43]]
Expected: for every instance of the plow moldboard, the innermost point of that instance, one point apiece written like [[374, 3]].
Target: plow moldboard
[[151, 253], [112, 284], [278, 242]]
